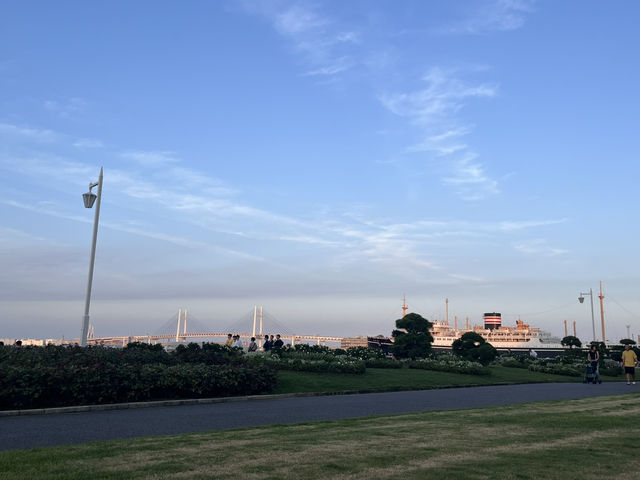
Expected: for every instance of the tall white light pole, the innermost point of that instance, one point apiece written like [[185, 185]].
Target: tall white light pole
[[593, 322], [89, 198]]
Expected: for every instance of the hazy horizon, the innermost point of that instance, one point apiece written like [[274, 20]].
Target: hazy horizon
[[320, 159]]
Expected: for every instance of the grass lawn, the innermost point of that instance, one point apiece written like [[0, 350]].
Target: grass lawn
[[378, 379], [579, 439]]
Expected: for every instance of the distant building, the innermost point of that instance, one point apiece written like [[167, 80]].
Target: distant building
[[350, 342], [379, 341]]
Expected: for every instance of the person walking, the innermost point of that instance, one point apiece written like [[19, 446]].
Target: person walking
[[593, 357], [253, 346], [229, 341], [629, 362], [278, 343]]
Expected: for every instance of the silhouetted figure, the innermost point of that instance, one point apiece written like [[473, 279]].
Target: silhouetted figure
[[278, 343]]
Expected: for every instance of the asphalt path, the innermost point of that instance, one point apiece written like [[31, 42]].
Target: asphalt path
[[30, 431]]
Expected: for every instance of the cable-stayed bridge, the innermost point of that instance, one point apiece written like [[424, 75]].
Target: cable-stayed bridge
[[183, 327]]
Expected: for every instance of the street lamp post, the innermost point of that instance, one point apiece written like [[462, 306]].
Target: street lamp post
[[89, 198], [593, 322]]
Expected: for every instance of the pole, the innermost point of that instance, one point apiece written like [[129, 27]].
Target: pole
[[593, 322], [575, 332], [85, 318], [447, 303], [261, 315], [178, 327], [566, 332], [186, 314], [255, 315], [601, 297]]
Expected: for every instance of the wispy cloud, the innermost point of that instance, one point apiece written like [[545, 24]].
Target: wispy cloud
[[32, 134], [68, 108], [512, 226], [539, 247], [324, 47], [435, 110], [147, 159], [491, 16], [88, 143]]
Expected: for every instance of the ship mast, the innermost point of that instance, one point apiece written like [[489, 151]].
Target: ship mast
[[601, 297], [446, 301]]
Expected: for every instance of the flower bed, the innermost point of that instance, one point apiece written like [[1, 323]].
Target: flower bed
[[453, 365], [304, 362]]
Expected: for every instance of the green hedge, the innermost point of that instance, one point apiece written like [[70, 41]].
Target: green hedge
[[53, 376], [557, 369], [383, 363], [309, 363], [37, 387], [452, 365]]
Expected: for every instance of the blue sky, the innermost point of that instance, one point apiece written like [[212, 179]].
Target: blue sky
[[320, 159]]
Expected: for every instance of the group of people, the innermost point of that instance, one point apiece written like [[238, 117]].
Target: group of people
[[268, 344], [629, 363]]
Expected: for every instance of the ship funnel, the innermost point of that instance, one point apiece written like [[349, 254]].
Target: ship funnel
[[492, 320]]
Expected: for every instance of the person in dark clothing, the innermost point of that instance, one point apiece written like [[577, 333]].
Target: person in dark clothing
[[267, 345], [278, 343], [594, 358]]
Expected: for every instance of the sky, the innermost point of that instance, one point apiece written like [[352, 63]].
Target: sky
[[321, 159]]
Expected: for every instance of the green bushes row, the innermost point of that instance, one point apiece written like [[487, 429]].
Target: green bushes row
[[382, 363], [308, 363], [452, 365], [557, 369], [55, 386], [132, 354]]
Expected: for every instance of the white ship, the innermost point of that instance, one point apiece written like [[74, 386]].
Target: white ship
[[520, 336]]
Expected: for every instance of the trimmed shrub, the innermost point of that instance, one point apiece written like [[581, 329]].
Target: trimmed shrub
[[452, 365], [29, 387]]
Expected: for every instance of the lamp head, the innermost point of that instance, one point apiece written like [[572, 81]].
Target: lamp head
[[89, 199], [581, 299]]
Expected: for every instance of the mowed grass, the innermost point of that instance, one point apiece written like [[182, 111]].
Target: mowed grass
[[581, 439], [378, 379]]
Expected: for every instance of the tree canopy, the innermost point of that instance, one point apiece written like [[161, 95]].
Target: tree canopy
[[571, 341], [627, 341], [474, 347], [412, 338]]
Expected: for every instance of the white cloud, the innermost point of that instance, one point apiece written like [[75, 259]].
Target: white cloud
[[88, 143], [539, 247], [322, 45], [434, 111], [492, 16], [147, 159], [32, 134], [68, 108], [511, 226]]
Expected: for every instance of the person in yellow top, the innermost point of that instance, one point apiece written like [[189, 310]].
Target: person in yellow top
[[229, 341], [629, 362]]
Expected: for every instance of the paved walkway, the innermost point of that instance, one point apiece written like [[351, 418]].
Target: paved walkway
[[31, 431]]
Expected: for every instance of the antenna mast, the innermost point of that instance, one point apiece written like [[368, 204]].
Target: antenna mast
[[601, 297], [446, 301], [404, 305]]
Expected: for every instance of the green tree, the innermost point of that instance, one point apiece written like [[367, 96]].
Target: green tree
[[474, 347], [571, 341], [413, 338]]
